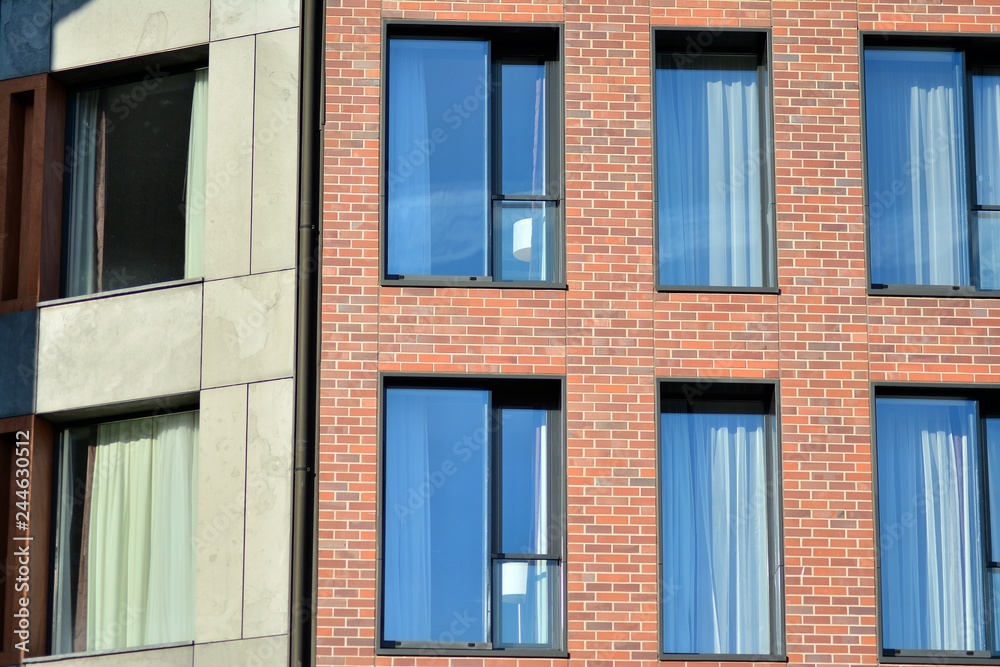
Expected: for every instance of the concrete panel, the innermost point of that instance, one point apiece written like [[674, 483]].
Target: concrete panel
[[235, 18], [94, 31], [275, 151], [269, 509], [218, 604], [181, 656], [249, 325], [230, 158], [24, 37], [262, 652], [120, 348], [18, 338]]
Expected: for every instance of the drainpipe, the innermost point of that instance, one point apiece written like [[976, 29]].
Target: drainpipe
[[302, 603]]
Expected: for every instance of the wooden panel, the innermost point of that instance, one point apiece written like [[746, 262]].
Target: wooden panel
[[32, 124], [25, 550]]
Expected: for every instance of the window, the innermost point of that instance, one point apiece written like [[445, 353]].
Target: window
[[939, 524], [134, 202], [720, 547], [472, 517], [713, 187], [124, 558], [472, 164], [933, 165]]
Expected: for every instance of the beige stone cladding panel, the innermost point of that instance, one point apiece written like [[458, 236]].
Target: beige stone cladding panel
[[94, 31], [120, 348]]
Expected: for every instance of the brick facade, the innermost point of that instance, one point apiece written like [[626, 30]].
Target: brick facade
[[823, 339]]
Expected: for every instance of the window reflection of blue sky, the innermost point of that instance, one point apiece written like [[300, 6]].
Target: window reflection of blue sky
[[439, 164]]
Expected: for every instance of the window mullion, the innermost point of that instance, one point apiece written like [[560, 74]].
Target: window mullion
[[971, 179], [986, 535]]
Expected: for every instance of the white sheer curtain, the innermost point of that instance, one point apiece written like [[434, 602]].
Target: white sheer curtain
[[408, 523], [194, 215], [140, 574], [409, 181], [63, 598], [81, 241], [918, 204], [932, 567], [709, 167], [714, 521]]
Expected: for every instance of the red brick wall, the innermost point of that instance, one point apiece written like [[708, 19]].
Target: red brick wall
[[611, 335]]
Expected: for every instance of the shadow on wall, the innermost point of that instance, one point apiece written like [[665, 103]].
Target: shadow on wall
[[26, 34]]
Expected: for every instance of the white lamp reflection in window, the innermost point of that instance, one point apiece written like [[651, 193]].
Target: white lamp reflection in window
[[522, 239], [514, 578]]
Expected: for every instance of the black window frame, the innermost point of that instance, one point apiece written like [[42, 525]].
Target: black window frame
[[685, 44], [509, 42], [763, 395], [978, 52], [546, 392], [982, 395]]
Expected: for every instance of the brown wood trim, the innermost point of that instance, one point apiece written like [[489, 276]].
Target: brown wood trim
[[32, 129], [26, 544]]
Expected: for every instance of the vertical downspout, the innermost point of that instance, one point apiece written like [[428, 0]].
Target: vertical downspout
[[302, 603]]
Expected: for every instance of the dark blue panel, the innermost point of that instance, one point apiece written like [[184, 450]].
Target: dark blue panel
[[17, 363], [24, 37]]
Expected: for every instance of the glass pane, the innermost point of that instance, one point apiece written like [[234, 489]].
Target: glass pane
[[522, 131], [526, 245], [993, 463], [988, 225], [929, 525], [438, 196], [994, 584], [714, 523], [709, 172], [986, 111], [527, 602], [121, 231], [917, 201], [72, 496], [436, 515], [525, 486]]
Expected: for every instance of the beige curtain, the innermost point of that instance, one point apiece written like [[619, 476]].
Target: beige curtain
[[140, 566], [194, 208]]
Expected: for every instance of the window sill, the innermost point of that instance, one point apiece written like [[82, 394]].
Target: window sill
[[93, 654], [120, 292], [722, 657], [463, 283], [476, 653], [937, 658], [933, 292], [718, 289]]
